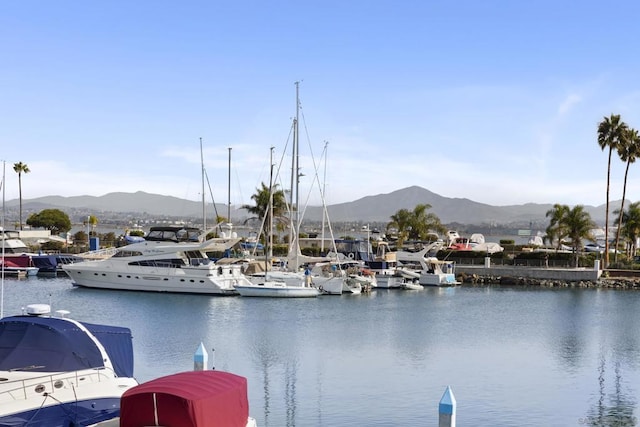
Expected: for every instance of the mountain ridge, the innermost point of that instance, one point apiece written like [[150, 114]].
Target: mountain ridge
[[373, 208]]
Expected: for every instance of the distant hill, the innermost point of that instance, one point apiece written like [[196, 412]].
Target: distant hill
[[380, 207], [376, 208]]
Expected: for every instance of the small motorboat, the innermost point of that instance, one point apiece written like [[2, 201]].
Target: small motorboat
[[56, 371]]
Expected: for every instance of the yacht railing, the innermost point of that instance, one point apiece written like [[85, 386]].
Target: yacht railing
[[98, 254]]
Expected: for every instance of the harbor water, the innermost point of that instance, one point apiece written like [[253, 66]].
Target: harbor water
[[512, 356]]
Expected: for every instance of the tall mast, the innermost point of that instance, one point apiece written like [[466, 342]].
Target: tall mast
[[296, 173], [270, 236], [229, 190], [204, 213], [324, 183]]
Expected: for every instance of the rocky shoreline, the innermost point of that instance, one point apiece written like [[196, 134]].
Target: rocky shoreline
[[603, 282]]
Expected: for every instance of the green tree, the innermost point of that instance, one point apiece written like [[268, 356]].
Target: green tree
[[261, 211], [578, 225], [628, 151], [424, 223], [20, 168], [611, 131], [80, 238], [556, 231], [416, 224], [401, 221], [50, 219], [631, 226]]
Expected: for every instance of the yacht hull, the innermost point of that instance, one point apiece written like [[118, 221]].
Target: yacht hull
[[205, 279]]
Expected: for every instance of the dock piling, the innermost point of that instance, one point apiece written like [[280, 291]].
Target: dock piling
[[200, 358], [447, 409]]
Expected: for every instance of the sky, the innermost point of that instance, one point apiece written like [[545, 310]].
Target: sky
[[494, 101]]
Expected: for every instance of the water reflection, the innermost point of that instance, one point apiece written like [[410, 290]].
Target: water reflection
[[614, 408]]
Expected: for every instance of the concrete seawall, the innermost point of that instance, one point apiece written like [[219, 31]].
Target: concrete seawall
[[537, 273]]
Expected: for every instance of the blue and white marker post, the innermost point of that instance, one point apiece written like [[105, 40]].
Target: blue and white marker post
[[447, 409], [200, 358]]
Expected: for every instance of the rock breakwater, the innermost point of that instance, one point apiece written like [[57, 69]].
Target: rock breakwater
[[604, 283]]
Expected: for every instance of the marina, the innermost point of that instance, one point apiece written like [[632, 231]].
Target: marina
[[525, 356]]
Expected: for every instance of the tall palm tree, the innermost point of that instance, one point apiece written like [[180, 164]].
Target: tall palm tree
[[556, 231], [401, 221], [20, 168], [611, 130], [578, 225], [628, 151]]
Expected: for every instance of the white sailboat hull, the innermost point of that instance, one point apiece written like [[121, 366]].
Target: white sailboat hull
[[277, 290]]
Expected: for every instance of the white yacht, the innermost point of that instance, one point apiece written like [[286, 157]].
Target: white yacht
[[170, 264]]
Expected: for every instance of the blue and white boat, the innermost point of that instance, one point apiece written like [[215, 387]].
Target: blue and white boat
[[56, 371]]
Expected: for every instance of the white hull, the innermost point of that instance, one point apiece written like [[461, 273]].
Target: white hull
[[412, 286], [337, 285], [330, 285], [438, 279], [388, 281], [277, 290], [25, 392], [201, 279], [288, 277]]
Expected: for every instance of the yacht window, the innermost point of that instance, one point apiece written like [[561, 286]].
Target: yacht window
[[126, 253]]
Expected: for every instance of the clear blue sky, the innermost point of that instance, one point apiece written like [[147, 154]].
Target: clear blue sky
[[494, 101]]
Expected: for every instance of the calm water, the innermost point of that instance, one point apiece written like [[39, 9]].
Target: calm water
[[513, 357]]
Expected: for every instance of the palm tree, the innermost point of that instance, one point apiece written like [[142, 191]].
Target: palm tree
[[401, 221], [578, 225], [20, 168], [631, 226], [555, 231], [423, 223], [628, 151], [261, 209], [610, 133], [416, 224]]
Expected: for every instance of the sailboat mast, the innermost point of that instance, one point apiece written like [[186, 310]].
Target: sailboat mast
[[204, 213], [229, 190], [296, 172], [270, 236], [324, 183]]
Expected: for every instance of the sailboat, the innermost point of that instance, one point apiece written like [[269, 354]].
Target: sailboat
[[291, 285]]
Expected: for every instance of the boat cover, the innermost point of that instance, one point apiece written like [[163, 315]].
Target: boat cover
[[187, 399], [45, 263], [51, 344]]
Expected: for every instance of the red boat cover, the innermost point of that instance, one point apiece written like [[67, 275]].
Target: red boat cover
[[187, 399]]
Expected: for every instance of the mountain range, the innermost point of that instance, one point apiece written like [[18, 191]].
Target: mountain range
[[369, 209]]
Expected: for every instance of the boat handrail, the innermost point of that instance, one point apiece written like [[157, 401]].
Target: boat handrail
[[37, 386], [99, 253]]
